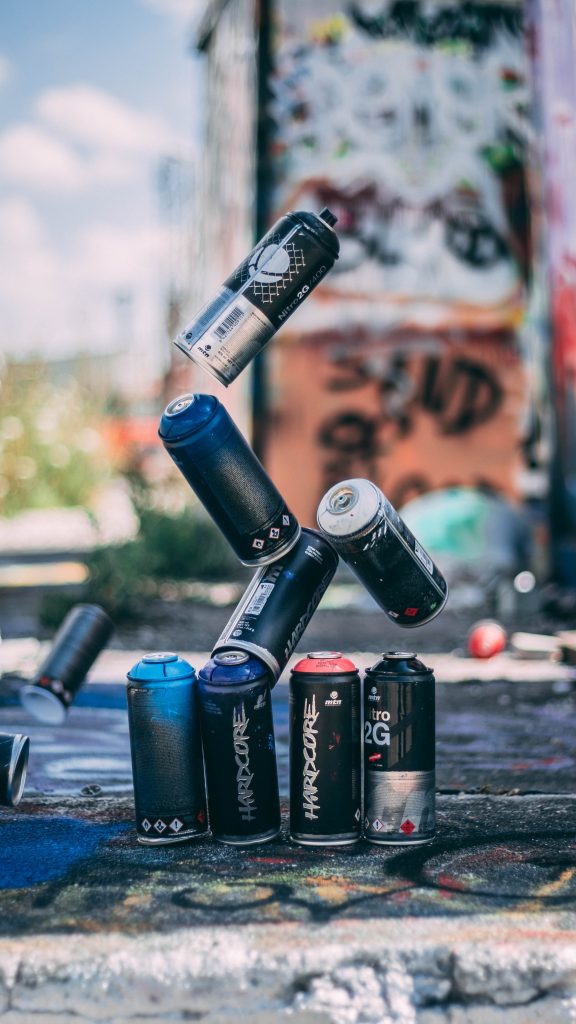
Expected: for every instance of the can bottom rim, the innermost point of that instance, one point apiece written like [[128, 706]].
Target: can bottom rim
[[253, 563], [264, 837], [189, 351], [160, 841], [399, 842], [325, 840], [260, 652]]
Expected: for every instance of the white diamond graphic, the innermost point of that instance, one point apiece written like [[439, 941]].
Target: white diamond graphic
[[176, 825], [274, 533], [377, 824], [366, 822], [285, 520], [357, 815], [146, 825], [159, 825], [258, 543]]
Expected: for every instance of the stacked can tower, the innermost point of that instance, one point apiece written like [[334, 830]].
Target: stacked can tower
[[217, 726]]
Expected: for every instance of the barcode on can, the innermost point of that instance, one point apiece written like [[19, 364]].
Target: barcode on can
[[235, 316], [259, 600], [424, 557]]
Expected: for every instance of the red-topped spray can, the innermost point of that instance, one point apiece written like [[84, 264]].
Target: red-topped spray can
[[325, 755]]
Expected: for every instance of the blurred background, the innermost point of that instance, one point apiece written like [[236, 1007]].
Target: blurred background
[[145, 146]]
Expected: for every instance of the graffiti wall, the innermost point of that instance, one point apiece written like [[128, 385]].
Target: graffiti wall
[[409, 120]]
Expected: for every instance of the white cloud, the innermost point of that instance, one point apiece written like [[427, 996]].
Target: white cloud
[[30, 156], [5, 69], [92, 117]]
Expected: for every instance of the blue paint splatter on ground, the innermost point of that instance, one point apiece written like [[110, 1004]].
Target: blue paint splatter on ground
[[41, 849]]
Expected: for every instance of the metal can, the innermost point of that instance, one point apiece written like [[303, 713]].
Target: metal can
[[399, 751], [166, 748], [261, 293], [218, 463], [81, 637], [278, 604], [239, 748], [13, 766], [325, 756], [375, 542]]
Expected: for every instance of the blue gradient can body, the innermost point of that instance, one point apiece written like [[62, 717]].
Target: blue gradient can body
[[166, 748], [213, 456], [239, 747]]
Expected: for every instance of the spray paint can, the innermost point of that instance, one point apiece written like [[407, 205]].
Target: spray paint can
[[166, 748], [260, 295], [278, 604], [325, 756], [399, 751], [238, 735], [13, 766], [375, 542], [218, 463], [81, 637]]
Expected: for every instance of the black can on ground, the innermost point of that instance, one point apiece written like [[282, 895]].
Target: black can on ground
[[325, 760]]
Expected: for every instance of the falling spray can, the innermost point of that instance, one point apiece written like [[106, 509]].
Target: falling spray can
[[399, 751], [278, 604], [218, 463], [260, 295], [238, 735], [82, 635], [375, 542], [166, 747], [325, 757], [14, 751]]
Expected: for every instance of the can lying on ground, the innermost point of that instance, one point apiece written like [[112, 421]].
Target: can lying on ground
[[166, 748], [239, 748], [375, 542], [325, 759], [14, 751], [82, 636], [260, 295], [278, 604], [218, 463], [399, 750]]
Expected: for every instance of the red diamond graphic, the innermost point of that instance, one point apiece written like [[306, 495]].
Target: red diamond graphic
[[407, 827], [411, 612]]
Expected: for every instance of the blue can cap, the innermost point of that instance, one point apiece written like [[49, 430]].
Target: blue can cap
[[185, 415], [229, 667], [159, 666]]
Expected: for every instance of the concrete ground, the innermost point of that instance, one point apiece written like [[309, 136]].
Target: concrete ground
[[477, 928]]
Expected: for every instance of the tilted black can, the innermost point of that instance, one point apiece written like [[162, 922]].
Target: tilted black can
[[325, 756], [239, 748], [14, 751], [166, 747], [280, 601], [260, 295], [81, 637], [218, 463], [399, 750], [375, 542]]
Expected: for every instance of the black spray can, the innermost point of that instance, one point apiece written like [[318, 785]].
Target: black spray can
[[375, 542], [399, 751], [166, 747], [81, 637], [218, 463], [278, 604], [260, 295], [238, 735], [325, 756], [14, 751]]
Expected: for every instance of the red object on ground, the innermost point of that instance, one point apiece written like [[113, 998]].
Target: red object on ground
[[486, 638]]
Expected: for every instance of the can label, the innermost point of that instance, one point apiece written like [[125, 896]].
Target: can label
[[253, 302], [399, 805], [325, 758]]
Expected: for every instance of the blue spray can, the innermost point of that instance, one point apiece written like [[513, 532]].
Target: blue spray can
[[218, 463], [238, 735], [166, 747]]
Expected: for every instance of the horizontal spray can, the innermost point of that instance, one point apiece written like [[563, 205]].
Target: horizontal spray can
[[375, 542], [261, 293], [166, 748], [239, 748], [399, 751], [79, 640], [221, 468], [278, 604], [325, 756]]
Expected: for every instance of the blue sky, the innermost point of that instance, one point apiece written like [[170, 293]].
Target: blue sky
[[93, 96]]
